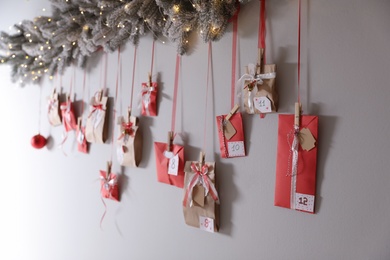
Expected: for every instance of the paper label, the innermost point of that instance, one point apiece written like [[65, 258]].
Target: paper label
[[173, 165], [206, 224], [80, 137], [236, 149], [306, 139], [263, 104], [198, 195], [228, 129], [304, 202]]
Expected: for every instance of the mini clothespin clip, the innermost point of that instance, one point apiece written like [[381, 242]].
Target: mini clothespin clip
[[201, 159], [232, 112], [297, 115], [170, 141], [150, 79], [260, 61], [128, 114], [79, 120], [99, 95], [108, 172]]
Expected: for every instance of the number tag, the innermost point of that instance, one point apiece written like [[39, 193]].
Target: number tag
[[304, 202], [263, 104], [173, 165], [206, 224], [236, 149]]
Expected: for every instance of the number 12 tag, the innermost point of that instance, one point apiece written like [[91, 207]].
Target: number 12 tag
[[173, 165]]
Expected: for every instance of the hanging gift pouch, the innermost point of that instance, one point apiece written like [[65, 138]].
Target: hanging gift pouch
[[170, 162], [296, 163], [201, 202], [67, 114], [109, 185], [149, 98], [231, 134], [129, 143], [259, 91], [82, 145], [96, 126], [53, 108]]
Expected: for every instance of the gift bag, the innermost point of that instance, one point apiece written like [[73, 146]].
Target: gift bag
[[295, 186], [96, 126], [259, 91], [129, 143], [201, 202], [67, 114], [82, 145], [53, 112], [149, 98], [231, 134], [109, 184], [170, 162]]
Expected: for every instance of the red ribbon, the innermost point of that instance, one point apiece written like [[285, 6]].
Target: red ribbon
[[127, 129], [200, 176], [96, 107]]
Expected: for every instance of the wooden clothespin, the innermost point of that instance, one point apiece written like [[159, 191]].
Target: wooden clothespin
[[260, 61], [99, 95], [79, 120], [297, 116], [150, 79], [170, 141], [128, 114], [232, 112], [108, 172], [201, 159]]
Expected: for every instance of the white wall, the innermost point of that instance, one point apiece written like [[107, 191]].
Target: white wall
[[50, 203]]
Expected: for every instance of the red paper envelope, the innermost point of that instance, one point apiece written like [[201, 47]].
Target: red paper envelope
[[168, 171], [149, 99], [296, 191], [231, 138], [109, 186]]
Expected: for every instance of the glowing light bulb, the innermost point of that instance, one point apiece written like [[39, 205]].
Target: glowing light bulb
[[176, 8], [49, 20], [27, 57]]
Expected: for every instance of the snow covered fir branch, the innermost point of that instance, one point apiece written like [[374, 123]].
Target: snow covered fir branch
[[77, 29]]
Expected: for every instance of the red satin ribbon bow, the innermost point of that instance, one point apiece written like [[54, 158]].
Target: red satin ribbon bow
[[200, 177]]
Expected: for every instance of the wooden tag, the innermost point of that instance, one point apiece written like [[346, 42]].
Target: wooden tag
[[306, 139], [228, 130], [198, 195]]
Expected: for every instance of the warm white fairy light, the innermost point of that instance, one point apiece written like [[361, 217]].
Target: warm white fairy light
[[43, 9], [27, 57], [50, 77], [85, 27], [49, 48], [176, 8], [73, 43], [49, 20]]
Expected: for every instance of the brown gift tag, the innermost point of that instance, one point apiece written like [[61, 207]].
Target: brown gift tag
[[198, 195], [228, 130], [306, 139]]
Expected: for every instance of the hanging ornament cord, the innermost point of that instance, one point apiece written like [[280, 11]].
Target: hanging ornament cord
[[108, 172], [132, 80], [207, 91], [64, 119], [262, 33], [261, 42], [152, 63], [176, 86], [234, 59], [295, 143]]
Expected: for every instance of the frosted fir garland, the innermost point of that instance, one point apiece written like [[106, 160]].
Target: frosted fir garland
[[79, 28]]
